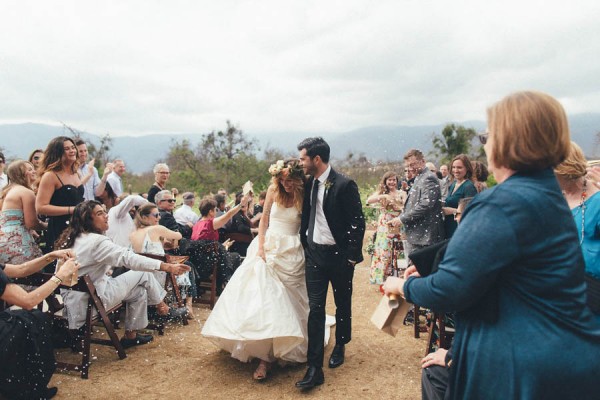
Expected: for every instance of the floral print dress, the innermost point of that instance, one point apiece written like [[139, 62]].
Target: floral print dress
[[16, 243], [381, 264]]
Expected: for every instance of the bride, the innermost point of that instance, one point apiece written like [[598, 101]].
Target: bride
[[263, 311]]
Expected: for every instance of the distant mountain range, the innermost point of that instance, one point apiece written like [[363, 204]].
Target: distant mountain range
[[385, 143]]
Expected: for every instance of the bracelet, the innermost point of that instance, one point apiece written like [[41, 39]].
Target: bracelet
[[56, 280]]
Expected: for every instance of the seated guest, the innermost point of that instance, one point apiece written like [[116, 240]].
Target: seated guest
[[207, 227], [148, 239], [258, 209], [120, 219], [166, 204], [185, 215], [108, 197], [241, 226], [26, 336], [220, 200], [97, 254], [161, 175]]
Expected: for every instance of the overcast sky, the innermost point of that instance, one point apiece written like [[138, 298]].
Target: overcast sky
[[139, 67]]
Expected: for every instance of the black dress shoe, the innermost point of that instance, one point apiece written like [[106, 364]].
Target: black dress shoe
[[313, 377], [139, 339], [337, 356], [50, 392]]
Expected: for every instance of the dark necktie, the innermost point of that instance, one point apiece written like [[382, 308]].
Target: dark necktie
[[313, 210]]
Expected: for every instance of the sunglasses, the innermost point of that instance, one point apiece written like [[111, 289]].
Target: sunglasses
[[155, 215], [483, 138], [170, 200]]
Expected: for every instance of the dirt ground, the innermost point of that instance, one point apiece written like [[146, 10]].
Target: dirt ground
[[184, 365]]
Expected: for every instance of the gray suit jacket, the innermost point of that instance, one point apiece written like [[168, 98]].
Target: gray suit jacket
[[422, 217]]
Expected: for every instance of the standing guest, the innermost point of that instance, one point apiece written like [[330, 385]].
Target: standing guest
[[331, 232], [445, 181], [97, 255], [148, 238], [26, 347], [35, 158], [391, 202], [422, 216], [185, 214], [3, 177], [115, 177], [584, 202], [60, 188], [258, 209], [462, 187], [480, 175], [161, 176], [18, 215], [87, 171], [166, 204], [431, 166], [514, 273]]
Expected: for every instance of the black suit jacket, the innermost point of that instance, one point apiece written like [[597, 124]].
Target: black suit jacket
[[343, 211]]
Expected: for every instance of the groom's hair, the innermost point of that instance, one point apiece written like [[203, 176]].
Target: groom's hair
[[315, 146]]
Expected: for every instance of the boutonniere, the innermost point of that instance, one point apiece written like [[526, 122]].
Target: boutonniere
[[328, 184]]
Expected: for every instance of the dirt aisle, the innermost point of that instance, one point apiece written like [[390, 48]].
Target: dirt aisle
[[184, 365]]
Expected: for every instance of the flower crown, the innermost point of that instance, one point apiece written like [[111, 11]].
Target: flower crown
[[293, 170]]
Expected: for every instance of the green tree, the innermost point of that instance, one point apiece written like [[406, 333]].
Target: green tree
[[454, 140]]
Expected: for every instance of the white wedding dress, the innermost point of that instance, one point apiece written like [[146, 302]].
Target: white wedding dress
[[263, 311]]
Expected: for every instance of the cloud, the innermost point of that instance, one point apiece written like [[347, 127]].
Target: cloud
[[138, 67]]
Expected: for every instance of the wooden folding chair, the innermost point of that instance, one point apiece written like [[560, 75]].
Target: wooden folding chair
[[96, 312], [445, 334], [170, 280], [210, 284]]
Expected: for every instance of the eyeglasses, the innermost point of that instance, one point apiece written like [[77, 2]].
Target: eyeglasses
[[164, 172], [170, 200], [155, 215], [483, 137]]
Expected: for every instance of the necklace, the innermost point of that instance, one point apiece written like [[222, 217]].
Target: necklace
[[582, 205]]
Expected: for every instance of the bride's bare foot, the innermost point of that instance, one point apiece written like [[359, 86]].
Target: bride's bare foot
[[261, 371]]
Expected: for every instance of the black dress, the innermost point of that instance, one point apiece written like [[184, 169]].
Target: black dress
[[26, 351], [66, 195]]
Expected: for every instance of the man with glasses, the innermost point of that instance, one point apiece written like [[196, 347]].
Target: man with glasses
[[166, 204], [422, 216], [3, 177], [161, 176]]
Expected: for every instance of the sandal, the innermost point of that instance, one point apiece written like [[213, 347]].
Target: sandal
[[260, 374]]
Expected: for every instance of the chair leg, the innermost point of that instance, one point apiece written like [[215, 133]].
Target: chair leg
[[417, 324], [431, 329], [442, 328], [87, 337]]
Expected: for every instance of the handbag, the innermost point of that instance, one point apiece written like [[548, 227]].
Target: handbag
[[390, 313]]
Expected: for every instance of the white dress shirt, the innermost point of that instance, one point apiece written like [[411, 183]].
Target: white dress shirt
[[185, 214], [115, 183], [120, 223], [3, 180], [322, 233], [90, 186]]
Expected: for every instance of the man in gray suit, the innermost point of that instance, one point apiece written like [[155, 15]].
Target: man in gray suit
[[422, 217]]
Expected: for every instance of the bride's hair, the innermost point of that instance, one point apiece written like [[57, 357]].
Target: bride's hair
[[299, 179]]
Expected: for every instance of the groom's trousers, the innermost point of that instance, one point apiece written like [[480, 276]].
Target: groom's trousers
[[326, 264]]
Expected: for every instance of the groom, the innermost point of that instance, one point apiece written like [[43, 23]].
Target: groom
[[332, 233]]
